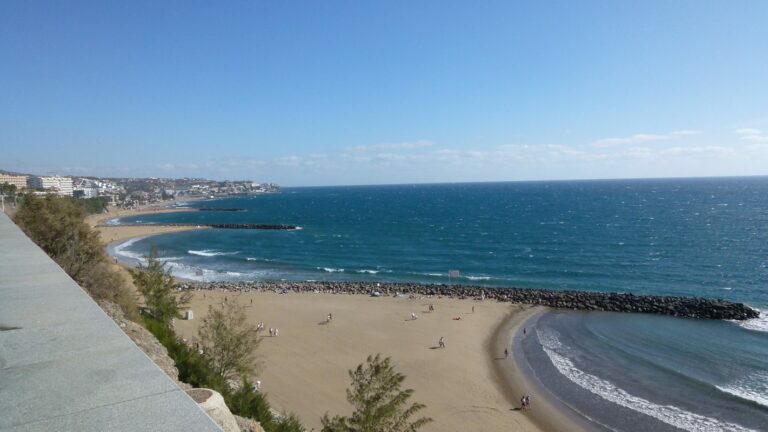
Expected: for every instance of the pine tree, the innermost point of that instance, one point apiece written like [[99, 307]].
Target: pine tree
[[380, 405], [229, 342], [157, 286]]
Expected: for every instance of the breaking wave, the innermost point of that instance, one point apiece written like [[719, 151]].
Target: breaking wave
[[668, 414]]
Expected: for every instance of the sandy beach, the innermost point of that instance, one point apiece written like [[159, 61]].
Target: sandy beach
[[469, 385], [464, 385], [116, 233]]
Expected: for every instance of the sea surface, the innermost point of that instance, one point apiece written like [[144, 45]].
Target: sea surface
[[692, 237]]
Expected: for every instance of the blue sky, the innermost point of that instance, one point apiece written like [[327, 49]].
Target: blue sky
[[362, 92]]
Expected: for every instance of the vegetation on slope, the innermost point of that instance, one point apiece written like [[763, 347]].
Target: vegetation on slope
[[57, 225]]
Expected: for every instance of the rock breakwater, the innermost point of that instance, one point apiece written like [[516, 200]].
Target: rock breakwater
[[690, 307]]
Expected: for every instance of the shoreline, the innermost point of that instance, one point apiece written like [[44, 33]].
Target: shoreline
[[111, 234], [305, 368], [514, 380]]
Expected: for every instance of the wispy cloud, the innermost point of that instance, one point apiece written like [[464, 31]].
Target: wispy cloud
[[642, 138], [406, 145], [754, 135]]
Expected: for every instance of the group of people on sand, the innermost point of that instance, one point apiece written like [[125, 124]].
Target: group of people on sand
[[525, 402]]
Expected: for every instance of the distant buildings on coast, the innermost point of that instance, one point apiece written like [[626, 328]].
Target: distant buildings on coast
[[129, 192]]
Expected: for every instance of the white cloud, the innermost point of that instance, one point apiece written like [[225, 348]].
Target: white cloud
[[754, 135], [641, 138], [406, 145]]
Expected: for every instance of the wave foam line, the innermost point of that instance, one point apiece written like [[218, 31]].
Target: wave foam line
[[668, 414], [121, 250], [757, 324], [753, 387], [209, 253], [331, 269]]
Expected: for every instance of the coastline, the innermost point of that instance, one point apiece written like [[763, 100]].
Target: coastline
[[111, 234], [467, 416], [516, 379], [305, 368]]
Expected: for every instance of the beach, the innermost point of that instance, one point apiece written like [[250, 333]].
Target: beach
[[116, 233], [465, 385]]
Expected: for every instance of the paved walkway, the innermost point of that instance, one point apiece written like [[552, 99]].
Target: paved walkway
[[65, 365]]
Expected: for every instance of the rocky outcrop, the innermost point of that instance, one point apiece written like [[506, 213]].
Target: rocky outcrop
[[248, 425], [213, 404], [691, 307]]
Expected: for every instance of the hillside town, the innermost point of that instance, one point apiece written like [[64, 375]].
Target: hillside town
[[126, 192]]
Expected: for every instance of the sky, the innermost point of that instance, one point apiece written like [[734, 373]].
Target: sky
[[364, 92]]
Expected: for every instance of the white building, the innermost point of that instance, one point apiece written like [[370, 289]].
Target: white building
[[59, 185], [20, 181], [87, 192]]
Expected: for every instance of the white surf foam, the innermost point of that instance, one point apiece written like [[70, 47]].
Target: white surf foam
[[122, 251], [753, 387], [666, 413], [367, 271], [478, 277], [757, 324], [113, 221], [209, 253], [331, 269]]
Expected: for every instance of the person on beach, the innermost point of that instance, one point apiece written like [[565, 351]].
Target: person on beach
[[276, 330], [473, 308], [506, 353], [271, 332], [413, 316], [441, 343], [522, 403], [528, 402], [523, 330], [330, 317]]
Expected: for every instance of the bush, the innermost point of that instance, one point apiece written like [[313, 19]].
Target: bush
[[195, 369], [57, 226]]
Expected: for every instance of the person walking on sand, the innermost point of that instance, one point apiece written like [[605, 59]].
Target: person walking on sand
[[473, 308], [522, 403], [276, 330], [441, 343], [413, 316], [506, 353]]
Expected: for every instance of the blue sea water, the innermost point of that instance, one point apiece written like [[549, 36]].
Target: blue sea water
[[696, 237]]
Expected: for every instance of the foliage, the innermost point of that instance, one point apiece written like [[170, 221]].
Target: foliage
[[92, 205], [380, 405], [228, 341], [157, 286], [195, 369], [57, 226], [8, 189]]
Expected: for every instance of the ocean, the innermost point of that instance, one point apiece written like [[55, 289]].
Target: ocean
[[691, 237]]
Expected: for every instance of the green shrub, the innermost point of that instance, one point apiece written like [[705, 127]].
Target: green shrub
[[197, 371]]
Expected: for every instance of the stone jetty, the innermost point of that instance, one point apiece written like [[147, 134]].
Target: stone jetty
[[690, 307]]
